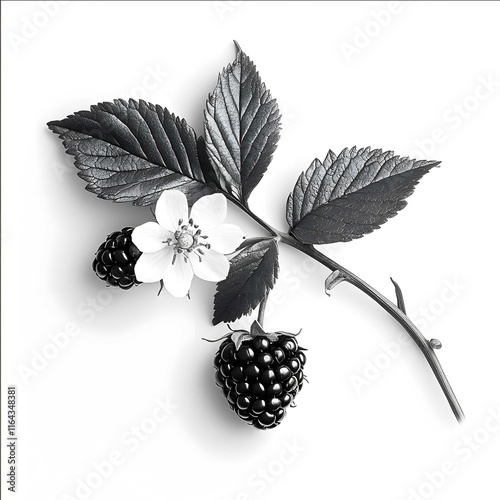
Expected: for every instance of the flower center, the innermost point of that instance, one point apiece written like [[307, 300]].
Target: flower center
[[187, 240]]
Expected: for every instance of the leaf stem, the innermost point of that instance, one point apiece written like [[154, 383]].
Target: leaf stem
[[399, 315], [256, 218]]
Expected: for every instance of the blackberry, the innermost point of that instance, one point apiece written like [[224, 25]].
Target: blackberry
[[115, 260], [260, 375]]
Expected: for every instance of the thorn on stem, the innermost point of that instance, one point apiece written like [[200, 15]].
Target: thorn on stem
[[399, 296], [333, 280], [435, 343]]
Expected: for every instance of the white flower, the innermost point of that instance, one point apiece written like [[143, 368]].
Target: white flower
[[183, 244]]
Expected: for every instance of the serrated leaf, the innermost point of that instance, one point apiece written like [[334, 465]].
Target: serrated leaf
[[242, 125], [351, 195], [252, 274], [129, 151]]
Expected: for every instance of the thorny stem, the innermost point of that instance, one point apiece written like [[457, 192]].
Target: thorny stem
[[423, 344]]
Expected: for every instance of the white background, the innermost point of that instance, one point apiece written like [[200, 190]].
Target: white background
[[368, 425]]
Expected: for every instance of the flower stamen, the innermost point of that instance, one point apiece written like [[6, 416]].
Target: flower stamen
[[187, 240]]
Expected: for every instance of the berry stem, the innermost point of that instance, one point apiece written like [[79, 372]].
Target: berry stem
[[262, 310], [427, 347]]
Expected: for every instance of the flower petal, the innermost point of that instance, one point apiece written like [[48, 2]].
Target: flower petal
[[209, 211], [170, 208], [226, 238], [177, 279], [212, 266], [150, 237], [151, 267]]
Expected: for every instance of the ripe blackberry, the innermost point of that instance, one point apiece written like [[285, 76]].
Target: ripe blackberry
[[260, 374], [115, 260]]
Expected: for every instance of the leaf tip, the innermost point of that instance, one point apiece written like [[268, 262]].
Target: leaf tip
[[238, 48], [52, 124]]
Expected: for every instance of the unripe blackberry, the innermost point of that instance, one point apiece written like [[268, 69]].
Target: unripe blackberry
[[115, 260], [261, 377]]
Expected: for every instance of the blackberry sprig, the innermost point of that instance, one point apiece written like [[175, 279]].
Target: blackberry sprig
[[134, 151]]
